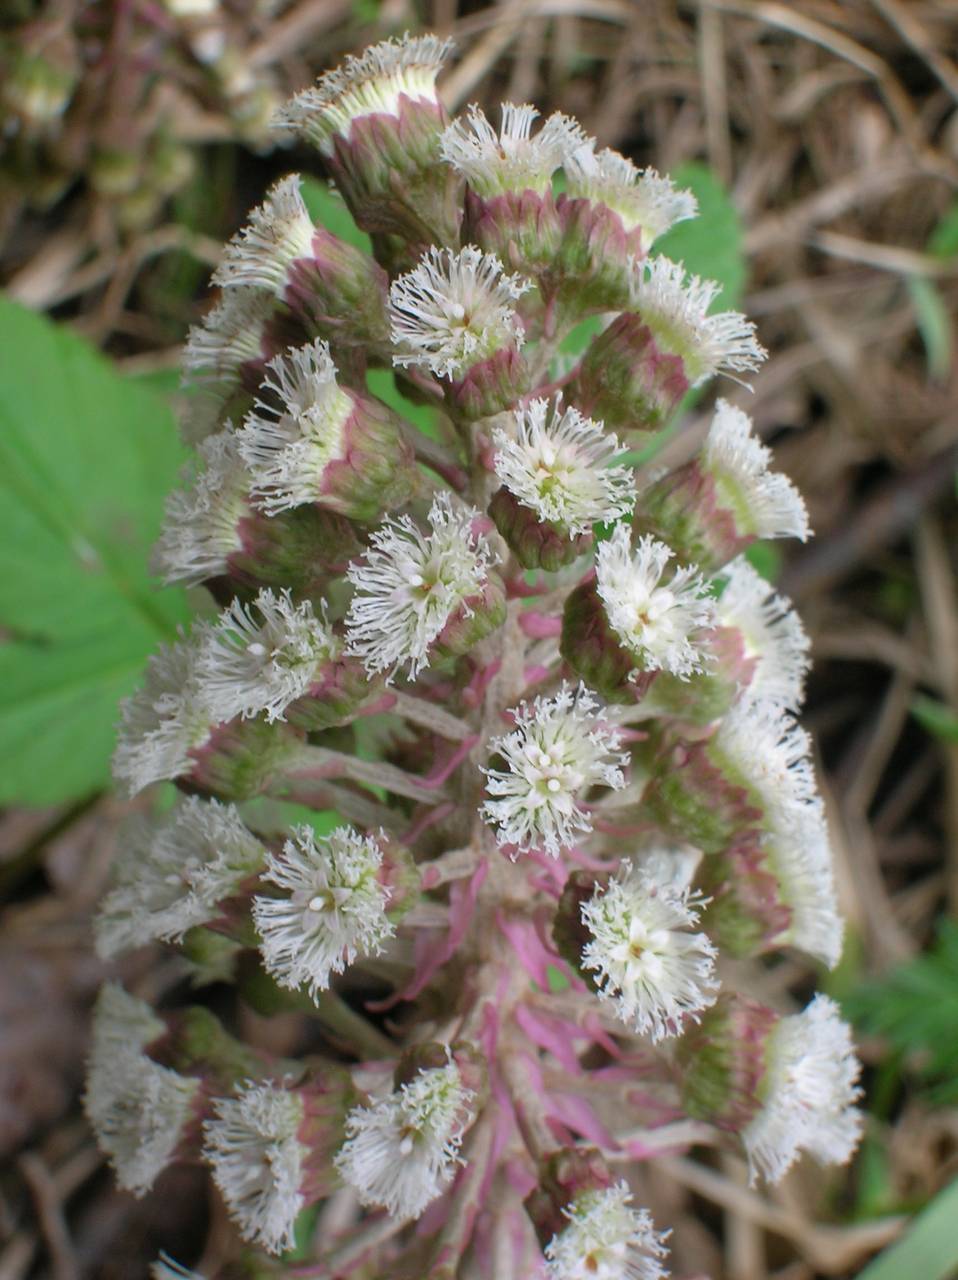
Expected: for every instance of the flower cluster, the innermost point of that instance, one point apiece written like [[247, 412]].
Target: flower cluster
[[539, 704]]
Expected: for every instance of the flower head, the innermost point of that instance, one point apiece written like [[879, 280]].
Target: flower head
[[137, 1109], [162, 722], [173, 872], [676, 310], [372, 84], [641, 197], [799, 855], [454, 310], [257, 663], [401, 1151], [334, 907], [649, 962], [512, 159], [257, 1158], [201, 529], [772, 632], [279, 231], [766, 504], [229, 335], [557, 463], [557, 751], [606, 1239], [767, 750], [660, 623], [288, 447], [808, 1093], [409, 584]]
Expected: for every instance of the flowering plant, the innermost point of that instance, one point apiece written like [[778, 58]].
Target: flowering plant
[[588, 792]]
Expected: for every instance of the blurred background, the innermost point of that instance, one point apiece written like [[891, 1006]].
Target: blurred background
[[821, 138]]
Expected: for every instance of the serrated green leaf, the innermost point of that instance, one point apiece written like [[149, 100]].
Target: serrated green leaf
[[330, 211], [935, 717], [915, 1007], [86, 459], [711, 244], [929, 1248]]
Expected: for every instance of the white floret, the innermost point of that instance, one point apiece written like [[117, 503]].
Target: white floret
[[512, 159], [559, 749], [661, 620], [332, 909], [254, 1149], [557, 462], [676, 309], [808, 1094], [454, 310], [409, 584], [257, 659], [401, 1152], [765, 503], [649, 962]]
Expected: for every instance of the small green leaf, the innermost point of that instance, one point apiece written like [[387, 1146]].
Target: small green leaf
[[330, 211], [915, 1008], [766, 558], [557, 979], [934, 324], [943, 242], [711, 244], [86, 459], [382, 383], [929, 1248], [935, 717]]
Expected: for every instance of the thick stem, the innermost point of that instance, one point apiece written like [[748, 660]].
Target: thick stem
[[319, 763], [428, 716]]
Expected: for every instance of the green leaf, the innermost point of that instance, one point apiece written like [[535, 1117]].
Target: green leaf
[[766, 558], [943, 242], [86, 459], [711, 244], [935, 717], [915, 1007], [934, 324], [382, 383], [929, 1248], [330, 211]]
